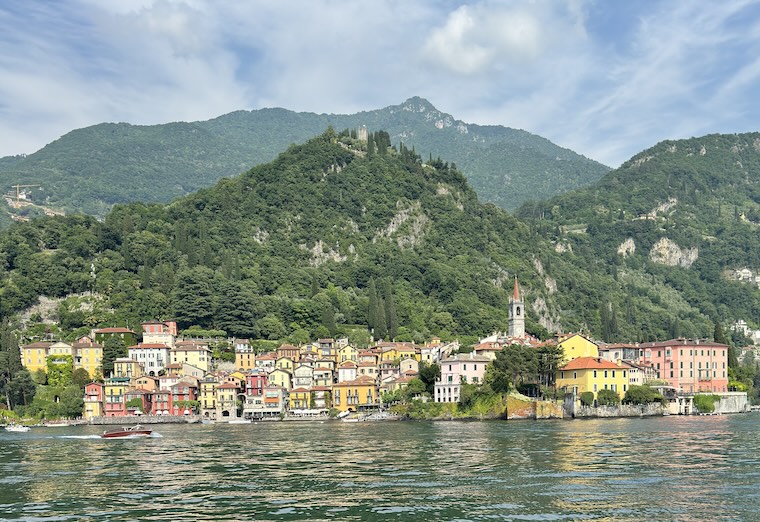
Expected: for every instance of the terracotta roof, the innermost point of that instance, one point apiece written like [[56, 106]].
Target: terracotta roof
[[322, 369], [299, 390], [593, 363], [359, 381], [688, 343], [321, 388], [367, 363], [147, 346], [227, 386], [114, 330], [87, 345], [347, 364], [39, 344]]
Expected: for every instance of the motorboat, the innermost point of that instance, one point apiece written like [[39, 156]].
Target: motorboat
[[17, 428], [127, 431]]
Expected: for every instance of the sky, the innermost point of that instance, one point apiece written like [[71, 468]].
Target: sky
[[606, 79]]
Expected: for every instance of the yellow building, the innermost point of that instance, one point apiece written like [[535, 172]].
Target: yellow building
[[193, 353], [359, 394], [282, 378], [347, 353], [61, 348], [34, 356], [300, 399], [127, 369], [578, 346], [207, 397], [591, 374], [245, 359], [89, 355], [285, 363]]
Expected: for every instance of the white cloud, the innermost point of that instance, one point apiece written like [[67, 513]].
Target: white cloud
[[552, 68]]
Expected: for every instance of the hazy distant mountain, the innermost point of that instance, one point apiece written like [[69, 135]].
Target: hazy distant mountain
[[93, 168]]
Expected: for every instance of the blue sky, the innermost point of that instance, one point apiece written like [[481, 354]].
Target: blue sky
[[604, 78]]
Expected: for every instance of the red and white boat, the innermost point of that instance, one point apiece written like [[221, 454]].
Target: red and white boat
[[127, 431]]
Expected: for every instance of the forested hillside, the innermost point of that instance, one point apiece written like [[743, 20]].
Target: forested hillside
[[89, 170], [333, 233], [671, 226], [339, 233]]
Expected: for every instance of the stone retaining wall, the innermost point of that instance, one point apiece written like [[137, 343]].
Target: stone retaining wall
[[518, 408], [145, 419], [623, 410]]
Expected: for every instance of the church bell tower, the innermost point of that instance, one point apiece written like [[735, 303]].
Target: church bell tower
[[516, 314]]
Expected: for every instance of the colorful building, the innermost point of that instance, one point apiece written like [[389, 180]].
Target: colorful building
[[592, 374], [360, 394], [689, 365], [127, 336], [457, 370], [576, 346], [34, 356], [194, 353]]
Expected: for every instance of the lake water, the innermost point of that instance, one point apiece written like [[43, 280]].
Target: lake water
[[667, 468]]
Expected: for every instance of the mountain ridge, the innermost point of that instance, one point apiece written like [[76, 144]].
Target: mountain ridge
[[91, 169]]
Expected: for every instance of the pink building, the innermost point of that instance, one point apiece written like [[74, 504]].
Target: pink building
[[255, 382], [466, 368], [690, 365]]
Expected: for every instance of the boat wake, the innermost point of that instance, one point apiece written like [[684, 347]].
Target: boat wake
[[76, 437]]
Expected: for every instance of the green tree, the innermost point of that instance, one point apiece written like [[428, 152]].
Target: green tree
[[193, 297], [328, 318], [391, 318], [81, 377], [587, 398], [60, 369], [113, 348], [428, 374], [643, 394], [10, 361], [607, 398], [22, 388]]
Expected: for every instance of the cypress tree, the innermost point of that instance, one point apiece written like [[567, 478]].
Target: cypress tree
[[373, 305], [381, 328], [391, 319]]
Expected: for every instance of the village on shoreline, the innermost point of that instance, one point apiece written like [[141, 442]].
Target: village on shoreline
[[166, 378]]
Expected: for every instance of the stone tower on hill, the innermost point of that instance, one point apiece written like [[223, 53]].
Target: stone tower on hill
[[516, 314]]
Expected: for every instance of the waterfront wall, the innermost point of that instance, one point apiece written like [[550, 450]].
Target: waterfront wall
[[622, 410], [145, 419], [519, 408], [732, 402]]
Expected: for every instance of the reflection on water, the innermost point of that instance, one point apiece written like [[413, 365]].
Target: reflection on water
[[673, 468]]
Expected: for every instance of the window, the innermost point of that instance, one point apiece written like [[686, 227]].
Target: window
[[595, 388], [671, 374], [613, 374], [605, 374], [464, 367], [594, 376], [625, 387], [575, 375]]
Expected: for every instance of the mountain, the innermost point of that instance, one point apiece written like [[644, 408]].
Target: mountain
[[332, 233], [90, 169], [677, 229], [339, 232]]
